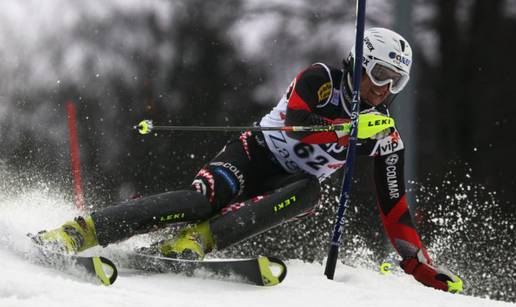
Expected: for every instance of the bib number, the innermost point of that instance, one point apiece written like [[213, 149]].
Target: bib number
[[304, 151]]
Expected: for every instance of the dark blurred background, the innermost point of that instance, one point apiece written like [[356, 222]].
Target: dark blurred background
[[228, 62]]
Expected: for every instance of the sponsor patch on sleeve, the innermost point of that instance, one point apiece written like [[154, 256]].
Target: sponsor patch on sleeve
[[324, 91], [390, 144]]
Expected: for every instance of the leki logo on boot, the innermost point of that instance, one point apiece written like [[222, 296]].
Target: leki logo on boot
[[172, 217], [285, 203]]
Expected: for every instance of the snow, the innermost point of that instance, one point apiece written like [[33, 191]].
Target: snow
[[26, 284]]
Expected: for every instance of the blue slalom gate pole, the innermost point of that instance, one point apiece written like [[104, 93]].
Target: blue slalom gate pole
[[333, 253]]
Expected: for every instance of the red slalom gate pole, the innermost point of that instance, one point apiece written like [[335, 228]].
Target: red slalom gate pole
[[74, 156]]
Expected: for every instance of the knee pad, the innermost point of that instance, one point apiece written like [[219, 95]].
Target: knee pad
[[219, 182]]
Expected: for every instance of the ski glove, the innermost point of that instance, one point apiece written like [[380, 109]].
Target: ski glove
[[382, 134], [343, 136], [435, 277]]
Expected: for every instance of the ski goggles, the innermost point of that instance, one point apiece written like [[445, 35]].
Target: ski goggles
[[382, 73]]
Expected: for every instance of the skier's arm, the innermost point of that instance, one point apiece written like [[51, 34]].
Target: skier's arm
[[391, 196], [303, 99], [390, 186]]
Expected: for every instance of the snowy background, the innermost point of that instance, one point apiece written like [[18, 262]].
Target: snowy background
[[26, 284], [201, 62]]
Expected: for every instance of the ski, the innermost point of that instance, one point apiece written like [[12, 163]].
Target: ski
[[89, 267], [260, 271]]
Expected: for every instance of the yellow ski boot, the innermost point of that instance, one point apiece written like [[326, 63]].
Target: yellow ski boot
[[72, 237], [192, 243]]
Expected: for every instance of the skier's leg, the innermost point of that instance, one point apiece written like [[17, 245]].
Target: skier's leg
[[243, 170], [124, 220], [244, 220], [215, 185], [220, 181]]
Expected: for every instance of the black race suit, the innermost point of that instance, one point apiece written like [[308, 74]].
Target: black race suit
[[260, 180], [257, 163]]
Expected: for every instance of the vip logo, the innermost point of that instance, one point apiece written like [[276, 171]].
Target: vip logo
[[389, 147], [390, 144]]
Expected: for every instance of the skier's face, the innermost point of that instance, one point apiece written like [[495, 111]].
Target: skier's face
[[371, 93]]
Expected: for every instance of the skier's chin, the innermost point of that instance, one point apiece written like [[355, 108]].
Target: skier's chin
[[373, 102]]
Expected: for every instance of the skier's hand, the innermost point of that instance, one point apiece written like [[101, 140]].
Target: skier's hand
[[436, 277], [382, 134]]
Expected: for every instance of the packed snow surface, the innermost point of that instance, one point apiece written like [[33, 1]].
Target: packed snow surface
[[23, 283]]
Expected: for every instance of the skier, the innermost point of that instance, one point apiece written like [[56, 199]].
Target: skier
[[263, 179]]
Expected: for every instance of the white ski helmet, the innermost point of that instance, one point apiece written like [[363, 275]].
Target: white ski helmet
[[387, 58]]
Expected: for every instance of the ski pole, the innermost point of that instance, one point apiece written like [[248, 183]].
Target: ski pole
[[370, 124], [333, 252], [147, 126]]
